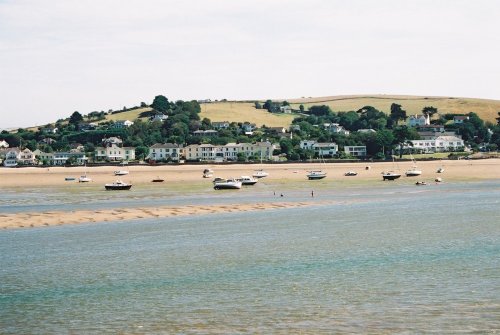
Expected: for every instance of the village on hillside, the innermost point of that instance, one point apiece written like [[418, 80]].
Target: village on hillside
[[173, 132]]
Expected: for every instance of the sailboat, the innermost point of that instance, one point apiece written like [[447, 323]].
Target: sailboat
[[391, 175], [84, 178], [414, 171], [316, 174], [260, 173]]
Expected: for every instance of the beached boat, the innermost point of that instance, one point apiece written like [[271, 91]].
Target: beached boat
[[120, 172], [247, 180], [420, 183], [440, 170], [69, 178], [260, 174], [84, 179], [413, 171], [208, 173], [316, 175], [118, 186], [229, 184], [158, 180], [390, 175], [350, 173]]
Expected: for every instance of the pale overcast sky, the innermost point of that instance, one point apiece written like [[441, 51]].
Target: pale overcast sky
[[58, 56]]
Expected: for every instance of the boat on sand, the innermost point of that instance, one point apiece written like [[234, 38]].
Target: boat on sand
[[117, 186], [229, 184]]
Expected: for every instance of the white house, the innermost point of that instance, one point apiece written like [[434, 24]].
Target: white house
[[367, 131], [11, 157], [355, 150], [325, 149], [439, 144], [220, 124], [335, 128], [165, 151], [158, 117], [3, 144], [228, 152], [418, 120], [113, 150], [307, 144], [286, 109], [120, 124]]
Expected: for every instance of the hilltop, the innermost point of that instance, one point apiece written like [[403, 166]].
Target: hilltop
[[240, 111]]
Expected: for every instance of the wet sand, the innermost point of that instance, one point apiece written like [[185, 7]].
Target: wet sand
[[181, 177]]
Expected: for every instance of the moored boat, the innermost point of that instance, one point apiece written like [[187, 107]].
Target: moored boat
[[390, 175], [208, 173], [229, 184], [120, 172], [117, 186], [316, 175], [260, 174], [247, 180], [84, 179], [158, 180], [350, 173]]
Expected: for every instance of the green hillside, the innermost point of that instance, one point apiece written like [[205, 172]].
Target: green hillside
[[239, 111]]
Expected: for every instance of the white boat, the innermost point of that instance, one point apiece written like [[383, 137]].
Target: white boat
[[350, 173], [120, 172], [260, 174], [247, 180], [390, 175], [84, 179], [117, 186], [229, 184], [440, 170], [414, 171], [316, 175]]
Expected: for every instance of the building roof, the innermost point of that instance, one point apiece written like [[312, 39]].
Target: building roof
[[165, 146]]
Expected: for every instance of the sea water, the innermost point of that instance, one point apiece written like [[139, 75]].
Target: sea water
[[392, 259]]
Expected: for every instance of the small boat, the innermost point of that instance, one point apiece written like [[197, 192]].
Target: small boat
[[158, 180], [420, 183], [120, 172], [350, 173], [208, 173], [414, 171], [84, 179], [70, 178], [229, 184], [390, 175], [260, 174], [438, 180], [117, 186], [247, 180], [316, 175], [440, 170]]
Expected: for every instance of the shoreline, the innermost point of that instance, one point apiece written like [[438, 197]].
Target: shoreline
[[187, 179]]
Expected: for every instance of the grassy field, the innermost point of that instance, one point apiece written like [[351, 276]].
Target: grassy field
[[486, 109], [245, 111]]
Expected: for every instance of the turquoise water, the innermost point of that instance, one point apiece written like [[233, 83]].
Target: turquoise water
[[396, 259]]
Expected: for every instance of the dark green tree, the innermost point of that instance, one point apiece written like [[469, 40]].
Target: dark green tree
[[75, 118], [160, 103], [397, 113], [430, 111]]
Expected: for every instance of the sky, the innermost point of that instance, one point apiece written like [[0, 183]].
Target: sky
[[61, 56]]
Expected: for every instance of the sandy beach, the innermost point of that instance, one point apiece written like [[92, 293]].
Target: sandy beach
[[180, 177]]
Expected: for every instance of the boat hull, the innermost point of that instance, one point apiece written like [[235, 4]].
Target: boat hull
[[117, 187], [232, 185], [391, 176], [318, 177], [413, 173]]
